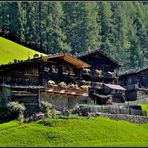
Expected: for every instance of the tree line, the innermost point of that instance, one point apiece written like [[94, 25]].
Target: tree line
[[119, 29]]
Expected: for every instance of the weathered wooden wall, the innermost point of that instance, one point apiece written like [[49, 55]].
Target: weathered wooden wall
[[5, 96]]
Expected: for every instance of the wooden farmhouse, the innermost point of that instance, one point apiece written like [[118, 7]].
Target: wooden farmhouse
[[103, 75], [50, 78], [61, 79], [136, 83]]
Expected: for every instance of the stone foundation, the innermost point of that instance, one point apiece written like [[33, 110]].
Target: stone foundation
[[130, 118], [60, 102]]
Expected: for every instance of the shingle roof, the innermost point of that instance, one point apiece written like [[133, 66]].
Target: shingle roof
[[133, 71], [81, 54], [115, 87], [67, 57]]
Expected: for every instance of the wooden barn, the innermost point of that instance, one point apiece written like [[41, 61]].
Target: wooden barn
[[103, 74], [136, 83], [43, 78]]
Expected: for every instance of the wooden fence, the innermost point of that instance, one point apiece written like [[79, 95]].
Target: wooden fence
[[112, 110], [139, 101]]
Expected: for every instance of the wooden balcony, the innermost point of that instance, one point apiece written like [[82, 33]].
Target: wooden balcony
[[55, 89], [103, 75]]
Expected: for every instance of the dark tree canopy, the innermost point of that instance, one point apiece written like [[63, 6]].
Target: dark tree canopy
[[120, 29]]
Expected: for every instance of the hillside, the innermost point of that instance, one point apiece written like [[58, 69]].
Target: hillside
[[74, 132], [10, 50]]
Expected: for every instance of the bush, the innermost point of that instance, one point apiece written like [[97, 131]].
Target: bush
[[48, 109], [21, 118], [16, 110], [67, 113]]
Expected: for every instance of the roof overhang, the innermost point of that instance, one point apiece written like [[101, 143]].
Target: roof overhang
[[82, 54], [115, 87], [133, 71], [68, 58]]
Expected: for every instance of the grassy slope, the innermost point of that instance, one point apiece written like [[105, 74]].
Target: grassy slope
[[10, 50], [145, 107], [74, 132]]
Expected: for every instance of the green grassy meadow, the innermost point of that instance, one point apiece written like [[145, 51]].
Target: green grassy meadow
[[97, 131], [145, 107], [10, 50]]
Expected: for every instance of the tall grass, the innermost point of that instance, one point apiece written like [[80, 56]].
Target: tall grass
[[97, 131]]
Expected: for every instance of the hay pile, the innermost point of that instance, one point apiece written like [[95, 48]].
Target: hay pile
[[86, 70], [62, 85], [84, 87], [73, 86], [51, 83]]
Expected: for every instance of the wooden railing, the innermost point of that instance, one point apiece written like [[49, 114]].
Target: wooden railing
[[66, 90], [99, 75]]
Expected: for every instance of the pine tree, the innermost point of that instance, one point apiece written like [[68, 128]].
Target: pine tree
[[120, 42], [90, 32], [106, 27], [5, 17], [141, 34], [30, 29], [145, 41], [17, 23], [72, 25], [132, 35], [56, 36]]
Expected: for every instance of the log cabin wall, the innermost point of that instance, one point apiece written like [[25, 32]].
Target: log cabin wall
[[140, 78], [98, 61], [22, 74], [136, 84], [5, 96], [39, 71], [58, 72]]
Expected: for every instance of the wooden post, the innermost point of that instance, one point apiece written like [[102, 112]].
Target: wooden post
[[39, 97]]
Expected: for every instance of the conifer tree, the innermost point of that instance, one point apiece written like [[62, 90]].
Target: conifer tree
[[106, 27], [120, 41], [56, 37]]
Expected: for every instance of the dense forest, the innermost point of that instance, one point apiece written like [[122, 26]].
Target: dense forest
[[120, 29]]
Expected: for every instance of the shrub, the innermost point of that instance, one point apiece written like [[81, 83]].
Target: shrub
[[48, 109], [53, 113], [67, 113], [21, 118], [16, 110]]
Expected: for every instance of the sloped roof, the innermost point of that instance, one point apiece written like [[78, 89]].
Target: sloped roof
[[102, 96], [69, 58], [82, 54], [133, 71], [115, 87]]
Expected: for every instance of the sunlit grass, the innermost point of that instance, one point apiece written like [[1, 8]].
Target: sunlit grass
[[10, 50], [74, 132]]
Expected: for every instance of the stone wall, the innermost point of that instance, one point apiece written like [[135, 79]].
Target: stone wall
[[61, 101], [130, 118]]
